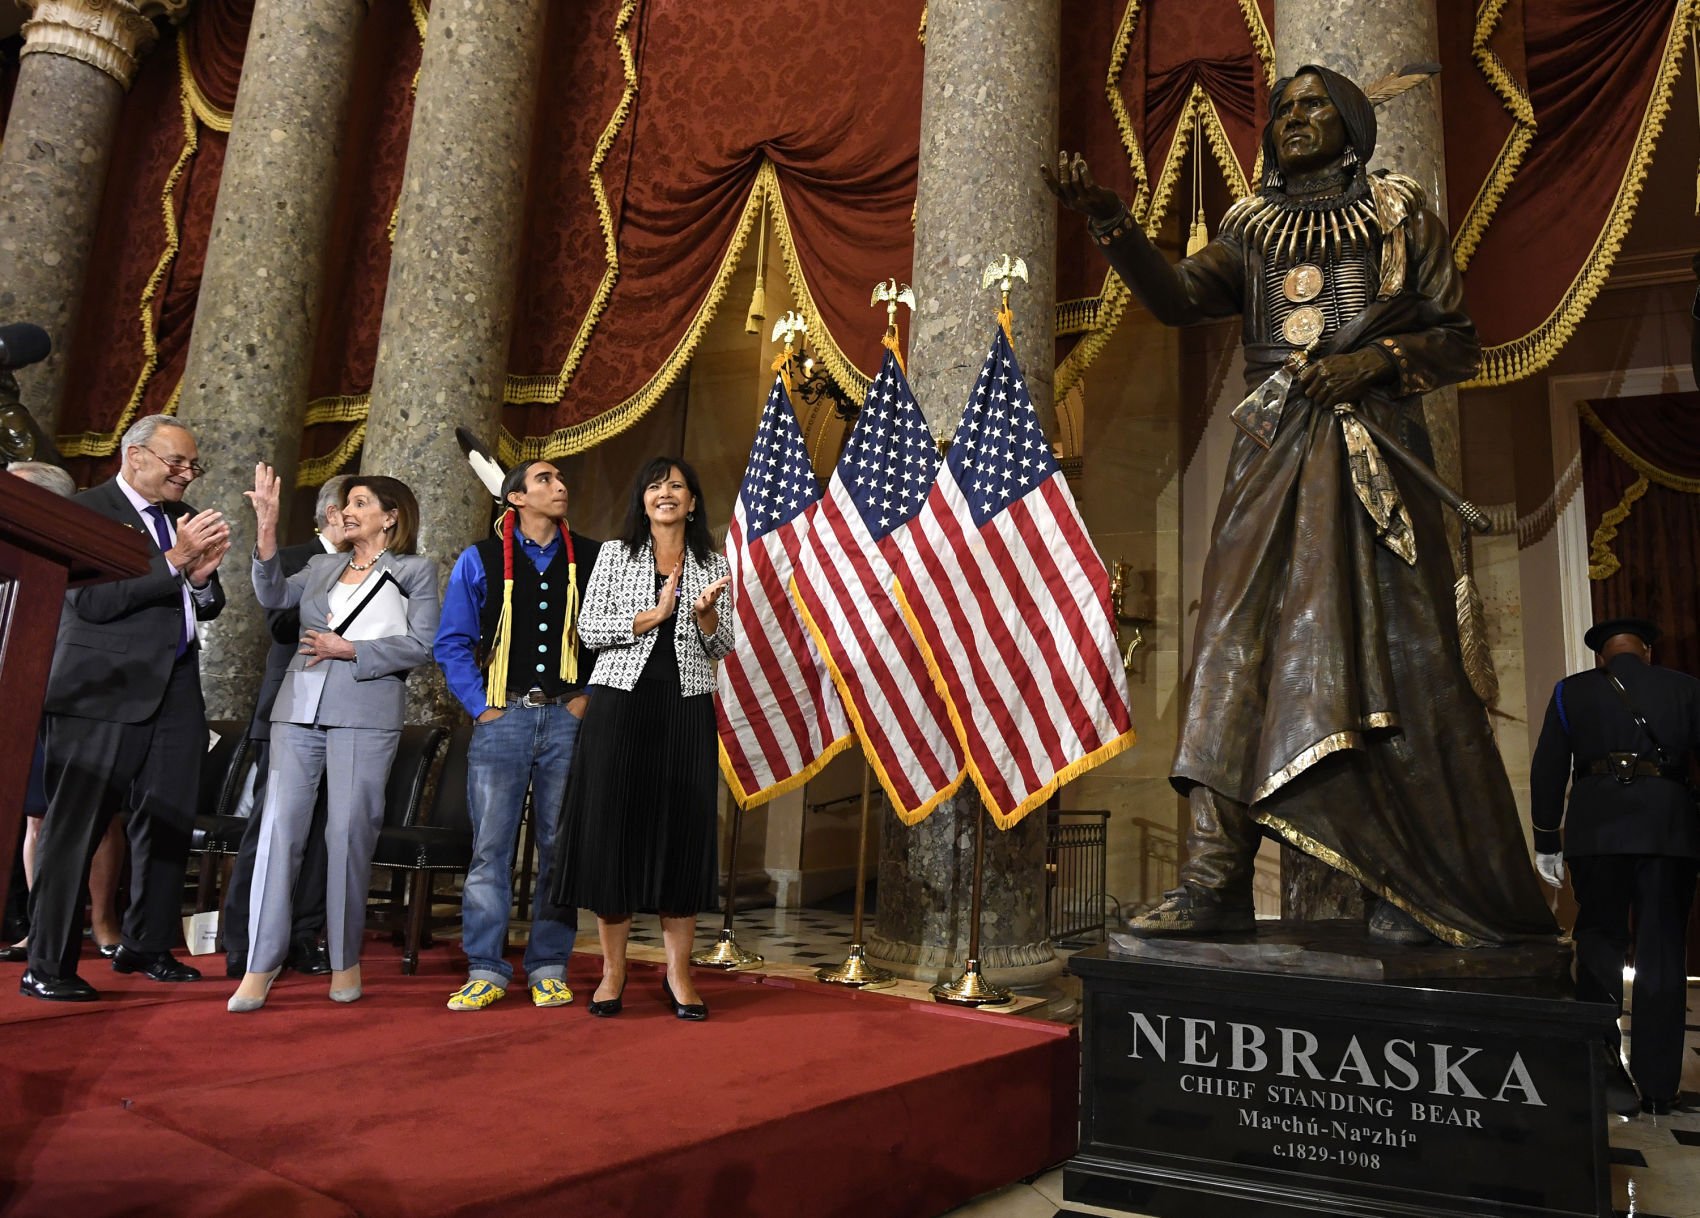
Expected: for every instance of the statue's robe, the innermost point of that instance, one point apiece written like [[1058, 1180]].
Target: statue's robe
[[1327, 690]]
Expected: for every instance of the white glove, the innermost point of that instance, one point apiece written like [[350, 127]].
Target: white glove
[[1551, 867]]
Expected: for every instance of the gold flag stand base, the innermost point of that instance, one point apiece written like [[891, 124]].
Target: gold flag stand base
[[726, 954], [856, 971], [971, 989]]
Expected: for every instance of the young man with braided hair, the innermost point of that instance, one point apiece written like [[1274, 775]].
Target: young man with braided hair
[[509, 649]]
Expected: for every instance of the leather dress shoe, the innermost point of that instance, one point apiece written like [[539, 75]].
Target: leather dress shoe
[[684, 1010], [157, 966], [309, 959], [236, 967], [607, 1008], [56, 989], [13, 953], [108, 951]]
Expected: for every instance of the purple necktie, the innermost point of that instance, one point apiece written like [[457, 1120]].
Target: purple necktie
[[163, 534]]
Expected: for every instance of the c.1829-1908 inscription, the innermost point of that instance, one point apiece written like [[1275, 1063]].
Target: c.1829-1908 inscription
[[1353, 1105]]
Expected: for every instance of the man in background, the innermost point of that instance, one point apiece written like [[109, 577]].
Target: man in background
[[1621, 735]]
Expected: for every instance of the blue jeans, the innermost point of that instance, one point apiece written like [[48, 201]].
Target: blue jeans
[[524, 747]]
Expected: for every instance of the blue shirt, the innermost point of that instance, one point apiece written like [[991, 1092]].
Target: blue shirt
[[459, 631]]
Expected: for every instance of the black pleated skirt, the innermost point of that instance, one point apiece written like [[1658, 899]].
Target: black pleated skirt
[[639, 830]]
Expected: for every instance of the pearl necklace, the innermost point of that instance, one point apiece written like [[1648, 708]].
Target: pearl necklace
[[354, 566]]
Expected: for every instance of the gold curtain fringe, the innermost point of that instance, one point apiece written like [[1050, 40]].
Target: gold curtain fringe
[[568, 440], [312, 471], [1510, 159], [207, 114], [1525, 356], [1261, 42], [350, 408], [1113, 300], [1636, 462], [1602, 563], [103, 444], [849, 377], [546, 389], [1119, 50]]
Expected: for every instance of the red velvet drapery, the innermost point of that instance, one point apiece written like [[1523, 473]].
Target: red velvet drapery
[[662, 124], [144, 275], [1641, 485]]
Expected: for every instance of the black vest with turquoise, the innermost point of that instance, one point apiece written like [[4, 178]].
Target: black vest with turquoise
[[539, 608]]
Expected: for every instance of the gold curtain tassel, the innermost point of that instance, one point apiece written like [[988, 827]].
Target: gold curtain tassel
[[758, 298], [1200, 235]]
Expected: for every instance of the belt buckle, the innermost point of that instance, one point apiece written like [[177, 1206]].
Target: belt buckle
[[1623, 766], [534, 697]]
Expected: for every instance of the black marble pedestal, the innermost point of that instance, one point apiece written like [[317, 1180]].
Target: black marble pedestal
[[1223, 1092]]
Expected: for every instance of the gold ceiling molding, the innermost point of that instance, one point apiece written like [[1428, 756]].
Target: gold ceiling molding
[[1510, 159], [1525, 356]]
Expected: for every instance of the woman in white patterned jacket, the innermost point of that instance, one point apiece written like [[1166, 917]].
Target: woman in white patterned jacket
[[638, 832]]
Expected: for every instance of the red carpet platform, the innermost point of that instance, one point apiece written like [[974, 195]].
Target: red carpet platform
[[794, 1099]]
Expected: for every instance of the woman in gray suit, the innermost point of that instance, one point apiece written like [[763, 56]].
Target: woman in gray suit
[[368, 615]]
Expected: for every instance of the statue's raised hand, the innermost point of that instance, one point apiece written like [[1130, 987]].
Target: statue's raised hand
[[1072, 183]]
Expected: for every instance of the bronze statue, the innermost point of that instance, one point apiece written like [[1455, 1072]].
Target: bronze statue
[[1327, 702]]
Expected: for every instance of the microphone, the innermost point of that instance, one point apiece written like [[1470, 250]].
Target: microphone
[[23, 344]]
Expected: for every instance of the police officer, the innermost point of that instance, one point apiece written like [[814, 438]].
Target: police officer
[[1621, 735]]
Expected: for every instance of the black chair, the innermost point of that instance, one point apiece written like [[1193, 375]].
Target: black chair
[[218, 830], [419, 847]]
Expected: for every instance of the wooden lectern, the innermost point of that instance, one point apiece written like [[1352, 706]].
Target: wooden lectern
[[47, 544]]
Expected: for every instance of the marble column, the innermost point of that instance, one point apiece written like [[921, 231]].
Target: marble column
[[1365, 40], [448, 310], [988, 120], [79, 57], [245, 385]]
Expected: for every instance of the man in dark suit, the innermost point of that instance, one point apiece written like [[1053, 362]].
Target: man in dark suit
[[306, 953], [1621, 734], [124, 722]]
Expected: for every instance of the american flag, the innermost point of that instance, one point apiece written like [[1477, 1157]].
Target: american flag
[[844, 585], [1012, 603], [780, 719]]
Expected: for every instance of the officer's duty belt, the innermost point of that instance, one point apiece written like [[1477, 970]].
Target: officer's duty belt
[[1627, 767]]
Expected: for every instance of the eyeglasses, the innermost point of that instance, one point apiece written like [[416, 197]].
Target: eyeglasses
[[195, 468]]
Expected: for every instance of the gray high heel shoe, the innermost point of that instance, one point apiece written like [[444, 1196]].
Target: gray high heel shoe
[[239, 1005], [348, 993]]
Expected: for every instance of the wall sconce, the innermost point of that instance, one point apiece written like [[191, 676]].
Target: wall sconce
[[1118, 604]]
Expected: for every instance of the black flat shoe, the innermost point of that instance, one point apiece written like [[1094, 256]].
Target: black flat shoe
[[684, 1010], [157, 966], [108, 951], [608, 1007], [56, 989], [13, 954]]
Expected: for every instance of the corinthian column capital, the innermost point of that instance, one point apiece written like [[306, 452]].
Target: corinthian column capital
[[111, 35]]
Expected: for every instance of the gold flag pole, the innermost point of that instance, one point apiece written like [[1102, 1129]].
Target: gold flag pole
[[856, 971], [726, 953], [972, 989]]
